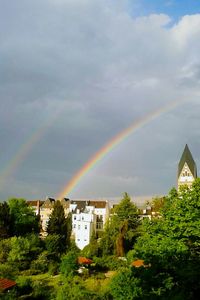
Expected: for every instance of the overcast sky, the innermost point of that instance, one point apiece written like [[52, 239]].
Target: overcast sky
[[74, 73]]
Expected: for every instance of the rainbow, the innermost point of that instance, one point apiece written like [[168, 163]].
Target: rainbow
[[112, 144], [26, 148]]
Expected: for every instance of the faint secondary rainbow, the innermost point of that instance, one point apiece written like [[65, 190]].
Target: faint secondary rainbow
[[113, 143], [26, 148]]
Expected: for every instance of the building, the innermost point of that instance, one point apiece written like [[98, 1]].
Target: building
[[36, 205], [88, 217], [187, 170]]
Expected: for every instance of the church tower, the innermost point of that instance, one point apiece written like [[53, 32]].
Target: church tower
[[187, 170]]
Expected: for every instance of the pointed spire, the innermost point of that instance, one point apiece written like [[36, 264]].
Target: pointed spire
[[187, 158]]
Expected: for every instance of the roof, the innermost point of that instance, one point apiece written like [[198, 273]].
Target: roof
[[139, 263], [65, 202], [84, 261], [6, 284], [187, 158], [34, 202], [81, 204], [98, 204], [49, 203]]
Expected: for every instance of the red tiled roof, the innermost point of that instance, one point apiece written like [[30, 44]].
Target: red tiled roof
[[6, 284], [138, 263], [84, 261]]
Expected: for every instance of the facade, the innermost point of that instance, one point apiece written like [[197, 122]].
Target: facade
[[187, 170], [88, 217], [36, 205]]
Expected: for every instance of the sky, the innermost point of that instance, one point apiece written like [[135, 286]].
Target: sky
[[75, 73]]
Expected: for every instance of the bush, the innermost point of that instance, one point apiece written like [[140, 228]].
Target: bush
[[109, 263], [8, 271], [74, 289], [41, 290], [41, 263], [124, 286], [53, 268], [9, 296], [5, 247], [92, 249], [69, 263], [24, 285]]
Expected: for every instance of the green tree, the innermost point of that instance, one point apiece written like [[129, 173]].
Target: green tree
[[23, 218], [53, 243], [24, 250], [171, 245], [121, 230], [69, 263], [5, 221], [124, 286], [59, 225]]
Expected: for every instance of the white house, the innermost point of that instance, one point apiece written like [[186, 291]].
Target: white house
[[88, 217]]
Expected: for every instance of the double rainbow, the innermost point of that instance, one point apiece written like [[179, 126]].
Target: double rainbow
[[112, 144]]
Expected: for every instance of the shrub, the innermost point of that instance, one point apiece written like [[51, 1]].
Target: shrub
[[24, 285], [69, 263], [8, 271], [53, 268], [109, 263], [41, 290], [41, 263]]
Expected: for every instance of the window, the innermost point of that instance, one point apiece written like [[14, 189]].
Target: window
[[74, 225], [79, 226], [85, 226], [74, 217]]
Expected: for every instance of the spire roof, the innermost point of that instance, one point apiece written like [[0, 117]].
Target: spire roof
[[188, 159]]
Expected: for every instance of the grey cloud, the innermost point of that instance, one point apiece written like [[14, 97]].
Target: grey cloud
[[104, 70]]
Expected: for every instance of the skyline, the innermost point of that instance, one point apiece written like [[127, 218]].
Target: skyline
[[74, 74]]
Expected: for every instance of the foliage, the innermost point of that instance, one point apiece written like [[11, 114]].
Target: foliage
[[171, 245], [5, 221], [23, 250], [59, 225], [110, 262], [9, 296], [52, 245], [125, 286], [8, 271], [41, 263], [121, 230], [5, 247], [24, 285], [41, 290], [92, 249], [158, 204], [74, 289], [69, 264], [23, 219]]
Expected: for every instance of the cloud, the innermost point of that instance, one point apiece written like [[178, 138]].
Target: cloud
[[103, 69]]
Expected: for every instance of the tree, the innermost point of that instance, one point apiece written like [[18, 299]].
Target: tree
[[24, 250], [171, 245], [60, 226], [5, 221], [69, 263], [124, 286], [23, 219], [121, 230]]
